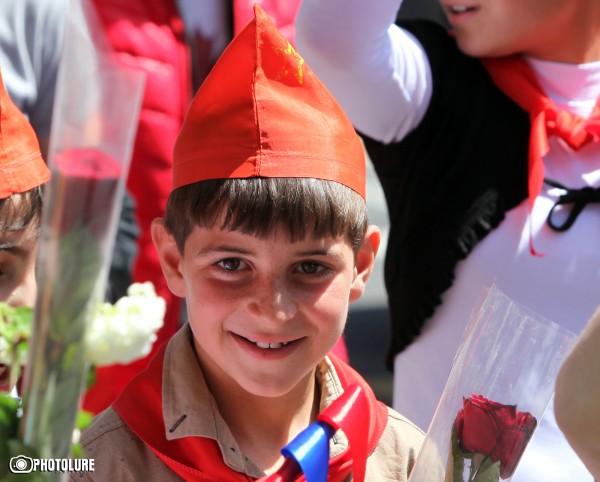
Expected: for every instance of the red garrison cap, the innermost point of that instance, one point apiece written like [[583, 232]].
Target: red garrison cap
[[21, 164], [262, 112]]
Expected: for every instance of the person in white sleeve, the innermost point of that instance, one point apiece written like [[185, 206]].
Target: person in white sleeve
[[485, 143]]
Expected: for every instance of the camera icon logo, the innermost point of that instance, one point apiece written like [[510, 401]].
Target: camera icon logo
[[20, 465]]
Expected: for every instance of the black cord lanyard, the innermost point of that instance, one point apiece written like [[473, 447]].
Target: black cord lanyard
[[579, 198]]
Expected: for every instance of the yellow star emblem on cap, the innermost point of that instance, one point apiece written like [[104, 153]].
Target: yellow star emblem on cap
[[298, 71]]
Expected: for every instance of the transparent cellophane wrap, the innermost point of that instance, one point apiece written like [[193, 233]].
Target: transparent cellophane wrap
[[510, 355], [94, 122]]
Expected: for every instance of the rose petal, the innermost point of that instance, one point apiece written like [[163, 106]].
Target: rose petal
[[527, 421], [505, 415], [494, 429], [479, 429], [509, 449]]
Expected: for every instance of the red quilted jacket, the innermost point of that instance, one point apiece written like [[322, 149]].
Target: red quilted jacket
[[148, 35]]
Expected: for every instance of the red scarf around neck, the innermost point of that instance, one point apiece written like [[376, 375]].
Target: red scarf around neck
[[199, 459], [513, 76]]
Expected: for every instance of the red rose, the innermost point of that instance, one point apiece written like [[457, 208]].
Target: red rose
[[496, 430], [87, 179]]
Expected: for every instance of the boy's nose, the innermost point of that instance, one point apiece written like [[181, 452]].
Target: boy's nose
[[273, 300]]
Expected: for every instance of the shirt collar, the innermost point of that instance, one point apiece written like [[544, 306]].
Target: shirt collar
[[189, 409]]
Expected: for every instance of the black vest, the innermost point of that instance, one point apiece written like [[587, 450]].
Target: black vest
[[448, 183]]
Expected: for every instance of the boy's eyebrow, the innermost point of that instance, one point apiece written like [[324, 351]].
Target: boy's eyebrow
[[319, 252], [220, 249], [13, 248], [229, 249]]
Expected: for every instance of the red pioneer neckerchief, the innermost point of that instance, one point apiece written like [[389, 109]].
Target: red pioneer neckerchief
[[198, 458], [513, 76]]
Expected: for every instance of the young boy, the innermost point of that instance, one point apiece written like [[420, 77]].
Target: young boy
[[266, 237], [22, 174], [485, 143]]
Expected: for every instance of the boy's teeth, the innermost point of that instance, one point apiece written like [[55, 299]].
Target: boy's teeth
[[459, 9], [272, 346]]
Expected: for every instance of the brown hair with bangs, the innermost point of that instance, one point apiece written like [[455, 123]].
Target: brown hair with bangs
[[258, 205], [19, 211]]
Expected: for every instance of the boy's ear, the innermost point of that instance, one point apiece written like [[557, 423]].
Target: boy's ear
[[365, 260], [169, 255]]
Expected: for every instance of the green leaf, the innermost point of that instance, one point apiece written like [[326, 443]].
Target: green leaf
[[458, 458], [77, 451], [481, 468], [15, 449], [488, 471], [8, 429], [84, 419], [9, 421], [90, 378], [10, 444]]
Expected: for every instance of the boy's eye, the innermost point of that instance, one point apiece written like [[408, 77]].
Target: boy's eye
[[310, 267], [7, 279], [231, 264]]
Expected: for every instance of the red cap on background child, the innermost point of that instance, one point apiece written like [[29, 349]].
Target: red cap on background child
[[21, 164], [262, 112]]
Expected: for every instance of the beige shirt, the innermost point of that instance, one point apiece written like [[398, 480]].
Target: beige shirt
[[119, 455]]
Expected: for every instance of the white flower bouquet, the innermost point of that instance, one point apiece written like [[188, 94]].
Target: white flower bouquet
[[125, 331]]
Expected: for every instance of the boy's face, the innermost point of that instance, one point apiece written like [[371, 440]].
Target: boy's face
[[18, 287], [264, 312], [18, 251], [502, 27]]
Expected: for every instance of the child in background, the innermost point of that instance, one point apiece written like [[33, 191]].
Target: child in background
[[266, 237], [22, 174], [485, 143]]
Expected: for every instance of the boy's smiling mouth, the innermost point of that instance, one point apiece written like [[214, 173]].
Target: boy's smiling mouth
[[264, 345], [272, 346]]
